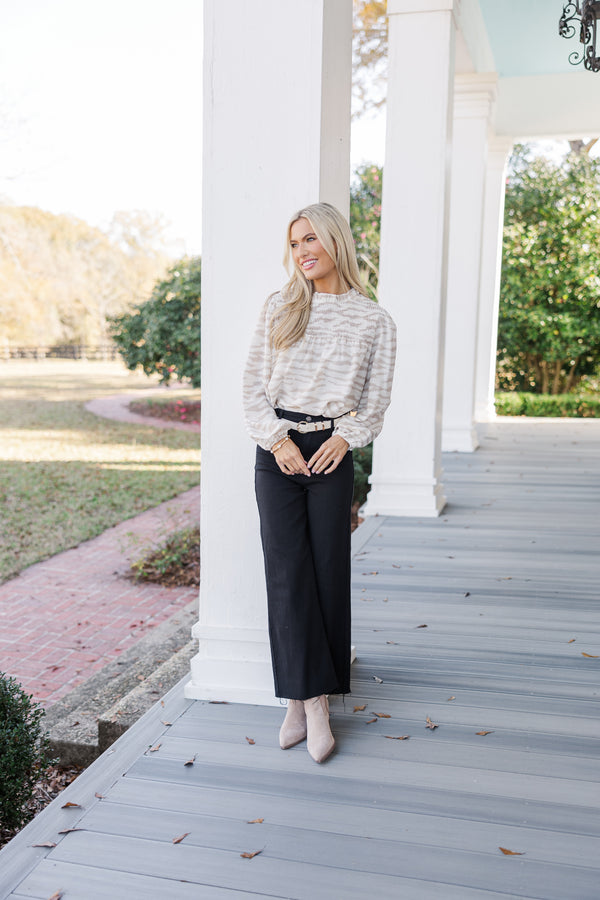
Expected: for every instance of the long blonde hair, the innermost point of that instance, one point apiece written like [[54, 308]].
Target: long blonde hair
[[289, 322]]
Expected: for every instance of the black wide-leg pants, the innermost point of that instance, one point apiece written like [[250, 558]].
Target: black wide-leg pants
[[305, 531]]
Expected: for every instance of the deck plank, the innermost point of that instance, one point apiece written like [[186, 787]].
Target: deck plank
[[506, 582]]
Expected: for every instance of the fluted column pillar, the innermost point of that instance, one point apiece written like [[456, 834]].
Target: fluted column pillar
[[474, 95], [406, 477], [277, 86]]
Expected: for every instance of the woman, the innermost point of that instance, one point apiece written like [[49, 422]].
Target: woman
[[317, 384]]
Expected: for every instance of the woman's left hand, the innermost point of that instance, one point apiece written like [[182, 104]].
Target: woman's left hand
[[329, 455]]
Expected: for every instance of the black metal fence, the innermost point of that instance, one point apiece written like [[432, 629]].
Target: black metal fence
[[62, 351]]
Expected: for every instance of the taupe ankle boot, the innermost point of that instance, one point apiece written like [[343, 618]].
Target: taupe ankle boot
[[320, 739], [293, 729]]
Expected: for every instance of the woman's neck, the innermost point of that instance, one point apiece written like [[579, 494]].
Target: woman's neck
[[332, 284]]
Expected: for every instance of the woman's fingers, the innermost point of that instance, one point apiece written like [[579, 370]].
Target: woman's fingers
[[329, 455], [290, 460]]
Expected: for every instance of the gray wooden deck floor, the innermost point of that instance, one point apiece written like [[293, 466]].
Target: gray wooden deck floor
[[506, 582]]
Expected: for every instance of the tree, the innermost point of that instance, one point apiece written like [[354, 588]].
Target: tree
[[369, 55], [162, 334], [549, 327], [365, 222]]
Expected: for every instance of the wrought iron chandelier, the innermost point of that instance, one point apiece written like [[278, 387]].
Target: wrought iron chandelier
[[587, 14]]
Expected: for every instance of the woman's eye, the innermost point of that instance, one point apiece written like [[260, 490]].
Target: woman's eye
[[310, 238], [293, 245]]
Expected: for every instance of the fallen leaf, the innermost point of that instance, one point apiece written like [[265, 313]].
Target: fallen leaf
[[430, 724], [223, 702], [395, 566], [484, 732], [391, 642], [70, 805], [467, 593], [251, 855], [370, 721], [56, 895], [99, 796], [154, 749], [190, 762], [386, 600], [360, 708], [44, 844], [402, 737], [69, 830], [369, 573], [450, 698], [377, 680], [166, 723], [511, 852], [382, 715], [255, 821], [179, 839], [162, 702], [421, 626], [590, 655], [250, 740], [572, 641]]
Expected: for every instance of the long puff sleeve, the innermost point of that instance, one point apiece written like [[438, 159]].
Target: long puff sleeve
[[261, 422], [362, 428]]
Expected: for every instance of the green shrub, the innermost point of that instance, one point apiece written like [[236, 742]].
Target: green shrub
[[24, 751], [363, 461], [550, 405]]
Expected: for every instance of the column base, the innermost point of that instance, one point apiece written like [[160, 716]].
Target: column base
[[232, 664], [395, 497], [485, 412], [461, 440]]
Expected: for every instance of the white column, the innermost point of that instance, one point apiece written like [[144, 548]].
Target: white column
[[276, 137], [489, 282], [474, 95], [406, 477]]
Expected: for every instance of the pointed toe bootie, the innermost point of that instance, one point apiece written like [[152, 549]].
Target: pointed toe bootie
[[320, 739], [293, 729]]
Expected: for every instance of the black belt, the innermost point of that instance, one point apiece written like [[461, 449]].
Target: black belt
[[304, 423]]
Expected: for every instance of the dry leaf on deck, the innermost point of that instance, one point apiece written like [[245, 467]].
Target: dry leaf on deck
[[56, 895], [511, 852], [44, 844], [190, 762], [402, 737], [255, 822], [162, 702], [590, 655], [370, 721], [382, 715], [396, 566], [370, 573], [360, 708], [391, 642], [421, 626], [250, 740], [467, 593], [99, 796], [179, 839], [484, 732], [69, 830], [377, 680], [217, 702], [165, 723], [250, 855], [572, 641], [70, 805], [450, 698], [430, 724], [154, 749]]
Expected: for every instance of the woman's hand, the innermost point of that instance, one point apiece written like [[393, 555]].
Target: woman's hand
[[329, 455], [290, 460]]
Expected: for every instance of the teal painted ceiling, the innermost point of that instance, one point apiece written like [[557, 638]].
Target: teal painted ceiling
[[524, 37]]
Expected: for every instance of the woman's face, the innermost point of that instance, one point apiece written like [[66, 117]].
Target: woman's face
[[309, 255]]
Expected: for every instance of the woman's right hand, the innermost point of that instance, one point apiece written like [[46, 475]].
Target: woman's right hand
[[290, 460]]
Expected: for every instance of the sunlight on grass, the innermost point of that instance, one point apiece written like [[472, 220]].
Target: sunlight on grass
[[67, 475]]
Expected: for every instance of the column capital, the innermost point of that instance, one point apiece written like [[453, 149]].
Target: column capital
[[474, 94]]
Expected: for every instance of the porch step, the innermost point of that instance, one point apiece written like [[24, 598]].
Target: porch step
[[121, 692]]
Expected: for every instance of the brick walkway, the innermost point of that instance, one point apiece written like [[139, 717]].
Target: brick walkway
[[65, 618]]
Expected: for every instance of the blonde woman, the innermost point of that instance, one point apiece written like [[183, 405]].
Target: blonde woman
[[317, 383]]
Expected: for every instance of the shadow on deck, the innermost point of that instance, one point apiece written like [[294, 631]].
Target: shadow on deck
[[486, 622]]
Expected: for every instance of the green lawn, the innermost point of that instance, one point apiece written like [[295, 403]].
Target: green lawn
[[67, 475]]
